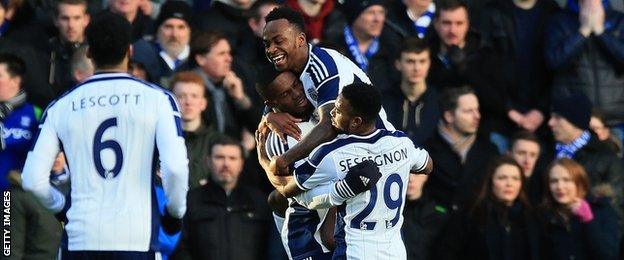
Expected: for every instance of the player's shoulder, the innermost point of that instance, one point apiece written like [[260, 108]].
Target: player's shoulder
[[322, 64], [318, 154]]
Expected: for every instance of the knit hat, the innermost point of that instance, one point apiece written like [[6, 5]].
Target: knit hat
[[174, 9], [353, 8], [575, 107]]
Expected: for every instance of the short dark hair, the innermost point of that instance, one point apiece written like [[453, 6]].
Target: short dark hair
[[254, 10], [523, 135], [15, 65], [203, 42], [70, 2], [365, 100], [108, 36], [226, 140], [450, 5], [413, 45], [450, 97], [293, 17], [266, 74]]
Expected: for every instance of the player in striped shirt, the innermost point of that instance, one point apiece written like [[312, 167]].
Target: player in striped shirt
[[368, 224], [111, 127], [323, 72]]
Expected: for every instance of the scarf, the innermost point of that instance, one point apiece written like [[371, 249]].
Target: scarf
[[352, 44], [568, 150], [460, 144], [422, 22]]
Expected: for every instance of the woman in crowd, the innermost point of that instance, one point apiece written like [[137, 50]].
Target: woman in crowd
[[577, 225], [499, 224]]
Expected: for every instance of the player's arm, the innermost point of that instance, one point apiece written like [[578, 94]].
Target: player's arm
[[421, 161], [359, 178], [36, 172], [322, 132], [173, 158]]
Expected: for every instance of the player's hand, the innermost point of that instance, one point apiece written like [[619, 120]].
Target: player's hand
[[359, 178], [278, 166], [261, 149], [284, 124]]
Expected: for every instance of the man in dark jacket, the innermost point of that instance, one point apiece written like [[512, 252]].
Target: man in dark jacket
[[513, 31], [412, 105], [71, 20], [585, 48], [459, 154], [198, 134], [225, 220], [569, 123]]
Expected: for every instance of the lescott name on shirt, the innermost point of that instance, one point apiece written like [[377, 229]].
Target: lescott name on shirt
[[105, 100], [380, 159]]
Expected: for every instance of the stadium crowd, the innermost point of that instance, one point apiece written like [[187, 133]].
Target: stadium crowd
[[519, 103]]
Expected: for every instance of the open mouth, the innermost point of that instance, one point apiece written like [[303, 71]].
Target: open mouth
[[278, 58]]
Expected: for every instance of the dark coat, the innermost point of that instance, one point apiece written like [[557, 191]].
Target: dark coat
[[502, 233], [223, 227], [426, 113], [59, 65], [422, 224], [198, 147], [593, 65], [228, 20], [452, 183], [603, 167], [597, 239]]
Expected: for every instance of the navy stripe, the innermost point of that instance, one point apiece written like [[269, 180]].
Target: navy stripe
[[328, 91], [325, 149], [326, 60], [302, 224], [340, 252], [303, 173], [154, 242]]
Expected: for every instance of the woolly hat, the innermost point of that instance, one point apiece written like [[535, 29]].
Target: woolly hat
[[353, 8], [174, 9], [575, 107]]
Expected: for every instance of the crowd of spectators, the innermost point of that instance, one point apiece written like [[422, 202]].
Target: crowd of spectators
[[520, 104]]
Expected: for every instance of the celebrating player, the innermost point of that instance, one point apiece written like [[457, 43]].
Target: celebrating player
[[369, 224], [110, 127], [323, 73]]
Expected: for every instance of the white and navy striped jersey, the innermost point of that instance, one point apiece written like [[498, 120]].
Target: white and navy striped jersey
[[111, 127], [369, 224], [300, 228], [326, 73]]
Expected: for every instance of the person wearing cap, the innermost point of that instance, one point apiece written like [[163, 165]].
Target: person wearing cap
[[171, 47], [366, 41], [569, 123]]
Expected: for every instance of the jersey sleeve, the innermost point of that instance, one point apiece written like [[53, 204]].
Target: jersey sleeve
[[36, 172], [173, 156], [419, 158], [328, 90], [307, 176]]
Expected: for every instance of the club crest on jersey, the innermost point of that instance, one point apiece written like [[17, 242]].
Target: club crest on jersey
[[313, 94], [25, 121]]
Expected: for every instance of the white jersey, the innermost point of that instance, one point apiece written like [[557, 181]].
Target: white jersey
[[326, 73], [111, 127], [369, 224], [300, 229]]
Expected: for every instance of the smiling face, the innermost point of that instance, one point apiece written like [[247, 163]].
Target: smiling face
[[506, 183], [283, 43], [286, 94]]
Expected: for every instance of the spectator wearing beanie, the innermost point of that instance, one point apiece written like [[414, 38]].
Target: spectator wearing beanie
[[367, 41], [171, 48], [569, 123]]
